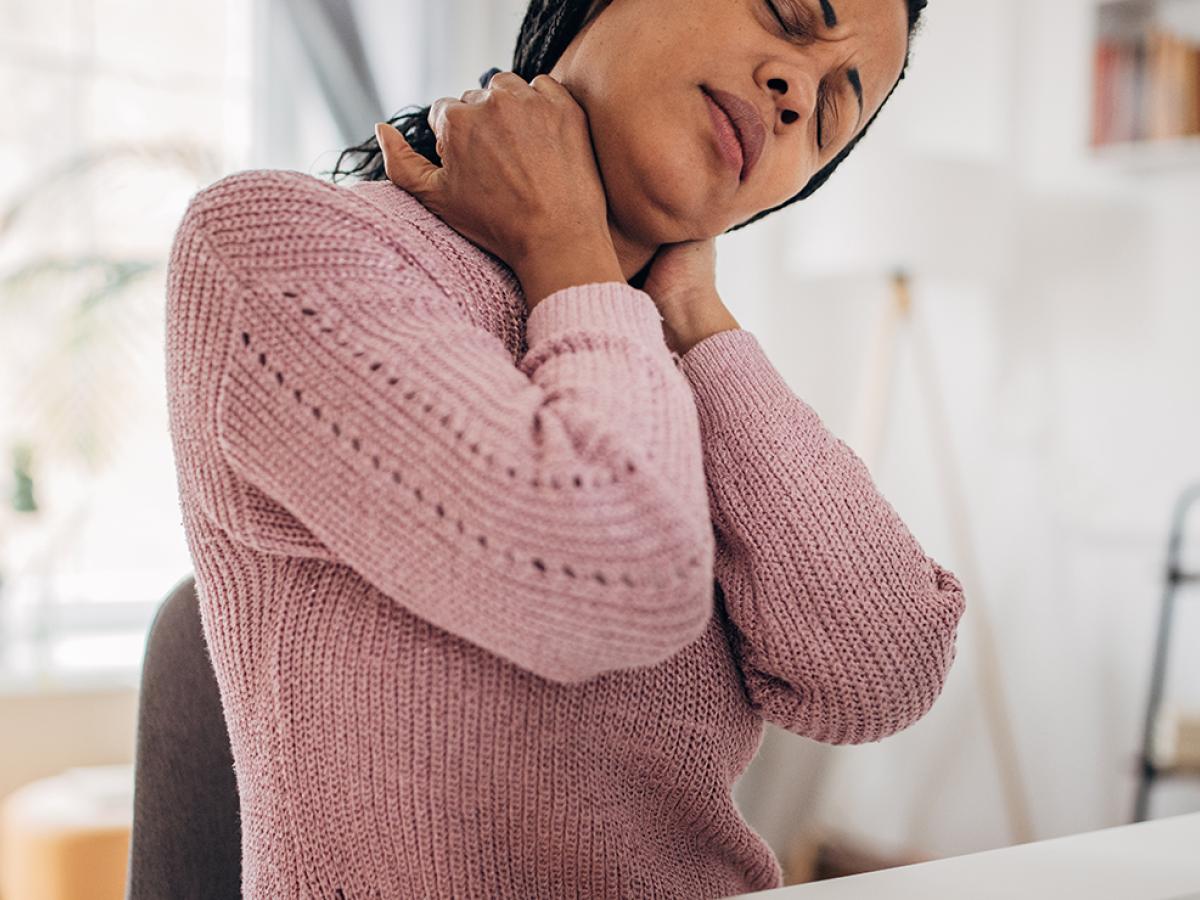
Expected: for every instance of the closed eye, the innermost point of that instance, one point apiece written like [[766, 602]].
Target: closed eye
[[805, 32], [823, 103]]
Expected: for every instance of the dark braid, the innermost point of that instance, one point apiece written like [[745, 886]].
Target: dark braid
[[547, 30]]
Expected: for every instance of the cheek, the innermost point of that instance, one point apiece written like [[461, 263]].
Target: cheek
[[661, 176], [791, 171], [659, 151]]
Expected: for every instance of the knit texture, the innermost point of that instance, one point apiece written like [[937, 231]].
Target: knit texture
[[498, 601]]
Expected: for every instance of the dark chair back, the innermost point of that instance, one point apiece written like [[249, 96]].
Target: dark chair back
[[186, 837]]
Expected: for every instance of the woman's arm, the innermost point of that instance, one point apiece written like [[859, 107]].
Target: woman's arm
[[328, 400], [844, 629]]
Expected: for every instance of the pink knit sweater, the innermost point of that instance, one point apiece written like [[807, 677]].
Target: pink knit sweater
[[498, 602]]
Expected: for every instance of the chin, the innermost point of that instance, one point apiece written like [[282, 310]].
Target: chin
[[659, 195]]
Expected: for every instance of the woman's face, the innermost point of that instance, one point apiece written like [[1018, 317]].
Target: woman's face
[[642, 68]]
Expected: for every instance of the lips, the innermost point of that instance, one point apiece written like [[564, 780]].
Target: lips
[[747, 124]]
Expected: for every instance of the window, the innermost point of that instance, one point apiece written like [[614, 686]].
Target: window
[[116, 112]]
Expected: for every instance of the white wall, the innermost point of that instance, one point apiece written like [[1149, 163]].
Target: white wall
[[1071, 388], [418, 51]]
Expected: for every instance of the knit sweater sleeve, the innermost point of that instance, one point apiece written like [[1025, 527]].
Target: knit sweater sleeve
[[551, 510], [844, 629]]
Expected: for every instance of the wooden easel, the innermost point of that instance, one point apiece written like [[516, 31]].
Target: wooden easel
[[874, 407]]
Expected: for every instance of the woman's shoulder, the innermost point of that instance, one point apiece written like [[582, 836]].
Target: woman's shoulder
[[457, 252], [296, 208], [294, 197]]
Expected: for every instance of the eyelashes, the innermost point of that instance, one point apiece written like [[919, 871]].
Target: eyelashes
[[823, 104], [805, 28]]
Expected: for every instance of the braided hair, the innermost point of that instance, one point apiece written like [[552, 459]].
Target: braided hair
[[547, 30]]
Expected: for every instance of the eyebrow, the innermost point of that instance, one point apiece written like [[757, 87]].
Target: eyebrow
[[851, 73], [856, 83]]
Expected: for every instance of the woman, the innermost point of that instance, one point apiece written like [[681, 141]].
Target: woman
[[507, 538]]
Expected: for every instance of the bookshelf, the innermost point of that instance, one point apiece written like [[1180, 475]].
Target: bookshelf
[[1146, 84]]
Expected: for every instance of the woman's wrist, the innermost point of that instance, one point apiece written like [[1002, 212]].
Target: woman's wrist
[[689, 322], [562, 264]]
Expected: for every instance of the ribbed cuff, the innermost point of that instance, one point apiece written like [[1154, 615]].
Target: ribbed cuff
[[610, 307], [729, 370]]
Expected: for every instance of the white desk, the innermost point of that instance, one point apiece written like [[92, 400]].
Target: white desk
[[1155, 860]]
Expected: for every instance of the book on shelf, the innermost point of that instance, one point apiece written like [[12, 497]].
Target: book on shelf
[[1146, 87]]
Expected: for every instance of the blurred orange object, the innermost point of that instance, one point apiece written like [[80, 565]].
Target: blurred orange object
[[67, 837]]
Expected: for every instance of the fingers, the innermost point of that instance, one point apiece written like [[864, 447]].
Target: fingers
[[440, 109], [437, 114], [555, 90], [405, 167], [508, 81], [550, 86], [500, 82]]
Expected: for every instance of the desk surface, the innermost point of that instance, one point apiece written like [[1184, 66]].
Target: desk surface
[[1155, 860]]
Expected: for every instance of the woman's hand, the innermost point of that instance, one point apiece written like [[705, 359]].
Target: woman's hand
[[682, 284], [518, 177]]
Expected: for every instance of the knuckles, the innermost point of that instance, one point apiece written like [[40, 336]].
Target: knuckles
[[506, 79], [445, 110]]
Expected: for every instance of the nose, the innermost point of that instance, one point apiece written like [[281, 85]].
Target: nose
[[794, 100]]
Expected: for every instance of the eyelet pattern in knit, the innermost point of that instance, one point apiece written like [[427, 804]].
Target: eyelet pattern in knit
[[499, 602]]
